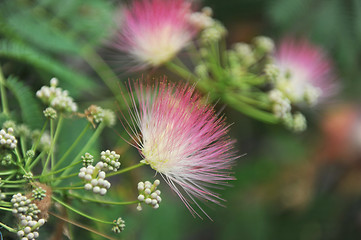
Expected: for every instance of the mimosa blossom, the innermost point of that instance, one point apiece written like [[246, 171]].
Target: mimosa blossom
[[154, 31], [183, 139], [306, 70]]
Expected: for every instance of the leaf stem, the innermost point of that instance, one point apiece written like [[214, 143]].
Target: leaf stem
[[37, 159], [3, 94], [72, 146], [35, 146], [53, 142], [65, 177], [68, 188], [103, 202], [125, 169], [7, 227], [80, 213], [86, 147], [6, 209], [103, 70]]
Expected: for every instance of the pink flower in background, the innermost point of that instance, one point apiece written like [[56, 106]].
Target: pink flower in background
[[154, 31], [183, 139], [307, 69]]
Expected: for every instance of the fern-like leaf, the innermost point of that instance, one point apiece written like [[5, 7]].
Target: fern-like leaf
[[71, 80], [29, 106]]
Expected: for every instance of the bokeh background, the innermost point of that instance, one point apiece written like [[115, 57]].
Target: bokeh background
[[289, 186]]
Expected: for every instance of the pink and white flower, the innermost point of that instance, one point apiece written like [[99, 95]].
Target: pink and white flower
[[305, 69], [154, 31], [183, 139]]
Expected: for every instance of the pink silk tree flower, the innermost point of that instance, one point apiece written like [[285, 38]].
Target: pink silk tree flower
[[306, 71], [181, 138], [154, 31]]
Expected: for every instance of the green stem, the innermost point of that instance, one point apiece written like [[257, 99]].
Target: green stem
[[5, 204], [65, 177], [68, 188], [181, 71], [80, 226], [53, 143], [80, 213], [103, 70], [126, 169], [37, 159], [251, 111], [12, 186], [8, 228], [14, 181], [7, 172], [35, 146], [23, 147], [12, 193], [252, 101], [19, 162], [6, 209], [72, 146], [58, 171], [52, 140], [9, 177], [3, 94], [103, 202], [86, 147]]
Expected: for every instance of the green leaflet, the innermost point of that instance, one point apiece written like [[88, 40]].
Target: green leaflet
[[58, 26], [29, 107], [70, 79]]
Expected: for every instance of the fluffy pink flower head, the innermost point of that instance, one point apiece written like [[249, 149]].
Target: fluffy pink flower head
[[183, 139], [307, 68], [154, 31]]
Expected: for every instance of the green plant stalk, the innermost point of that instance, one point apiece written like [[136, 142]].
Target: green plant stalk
[[35, 146], [9, 172], [214, 62], [104, 202], [251, 111], [5, 204], [80, 226], [58, 128], [4, 100], [12, 193], [14, 181], [8, 228], [193, 53], [19, 161], [80, 213], [58, 171], [181, 71], [252, 101], [103, 70], [6, 209], [65, 177], [52, 140], [23, 147], [78, 184], [125, 169], [36, 160], [10, 177], [178, 68], [86, 147], [18, 156], [12, 186], [68, 188], [72, 146]]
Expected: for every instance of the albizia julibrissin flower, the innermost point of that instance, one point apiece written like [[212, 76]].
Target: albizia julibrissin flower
[[307, 69], [183, 139], [154, 31]]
